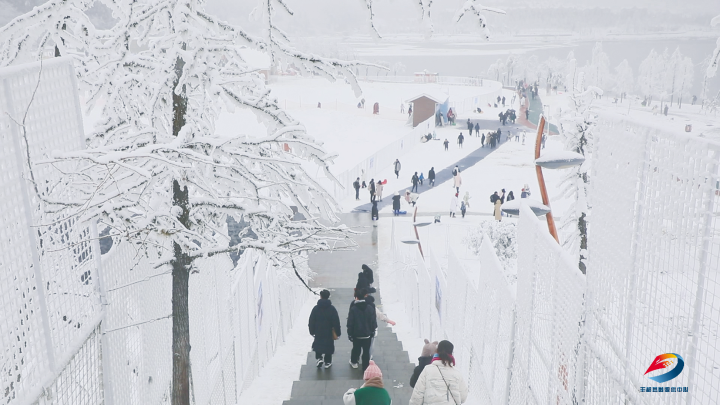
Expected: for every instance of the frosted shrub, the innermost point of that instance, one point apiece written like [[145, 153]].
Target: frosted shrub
[[504, 240]]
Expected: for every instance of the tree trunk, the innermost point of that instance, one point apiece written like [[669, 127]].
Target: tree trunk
[[180, 269], [582, 227]]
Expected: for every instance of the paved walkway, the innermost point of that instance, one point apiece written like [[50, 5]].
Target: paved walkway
[[442, 175], [337, 272]]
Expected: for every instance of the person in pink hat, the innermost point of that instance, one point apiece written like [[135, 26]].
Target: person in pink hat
[[372, 392]]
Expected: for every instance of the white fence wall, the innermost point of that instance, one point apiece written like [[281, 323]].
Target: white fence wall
[[471, 307], [547, 363], [77, 327], [654, 264]]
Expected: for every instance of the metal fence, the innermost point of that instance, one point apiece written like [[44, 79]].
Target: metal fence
[[654, 259], [81, 327]]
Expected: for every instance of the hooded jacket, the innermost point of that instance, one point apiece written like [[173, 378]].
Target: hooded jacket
[[422, 362], [362, 321], [323, 319]]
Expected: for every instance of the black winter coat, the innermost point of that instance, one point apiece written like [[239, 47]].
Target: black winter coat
[[368, 274], [323, 319], [362, 281], [431, 174], [423, 361], [396, 202], [361, 322]]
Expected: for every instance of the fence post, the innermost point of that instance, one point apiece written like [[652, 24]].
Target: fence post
[[105, 345], [703, 266], [39, 284], [511, 357]]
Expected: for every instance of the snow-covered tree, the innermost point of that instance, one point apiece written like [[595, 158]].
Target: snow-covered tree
[[650, 75], [715, 58], [553, 71], [576, 127], [474, 7], [496, 70], [156, 172], [624, 81], [597, 73]]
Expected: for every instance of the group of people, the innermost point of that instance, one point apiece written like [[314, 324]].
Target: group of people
[[498, 200], [435, 380], [507, 115]]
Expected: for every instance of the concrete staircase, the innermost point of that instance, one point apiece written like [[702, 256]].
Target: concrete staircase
[[320, 386]]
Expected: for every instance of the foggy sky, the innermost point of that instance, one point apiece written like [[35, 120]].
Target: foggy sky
[[400, 17]]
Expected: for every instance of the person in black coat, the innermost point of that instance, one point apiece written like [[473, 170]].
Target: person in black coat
[[431, 177], [374, 211], [361, 326], [323, 319], [396, 203], [371, 187], [425, 358], [368, 273], [356, 186]]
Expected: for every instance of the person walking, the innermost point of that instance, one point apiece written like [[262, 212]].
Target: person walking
[[371, 188], [463, 208], [453, 205], [421, 178], [497, 211], [517, 136], [482, 141], [446, 143], [356, 186], [466, 199], [440, 383], [374, 216], [431, 177], [361, 326], [402, 108], [415, 180], [470, 126], [397, 168], [372, 392], [396, 203], [324, 325], [379, 190], [457, 181], [425, 359], [461, 138], [477, 129], [525, 192], [455, 171], [503, 101], [523, 137]]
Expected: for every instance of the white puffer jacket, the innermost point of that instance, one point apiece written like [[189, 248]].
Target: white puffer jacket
[[431, 389]]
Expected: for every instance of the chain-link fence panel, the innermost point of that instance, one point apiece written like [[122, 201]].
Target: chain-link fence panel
[[50, 299], [654, 256]]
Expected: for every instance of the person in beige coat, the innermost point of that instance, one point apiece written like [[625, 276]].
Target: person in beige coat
[[498, 215], [457, 182], [379, 190], [440, 383]]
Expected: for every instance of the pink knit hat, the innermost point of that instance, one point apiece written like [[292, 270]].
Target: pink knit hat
[[372, 371]]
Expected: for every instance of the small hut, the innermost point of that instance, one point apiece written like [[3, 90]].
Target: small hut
[[423, 106]]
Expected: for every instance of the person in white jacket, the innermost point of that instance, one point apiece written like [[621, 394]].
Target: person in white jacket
[[440, 383], [454, 205]]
